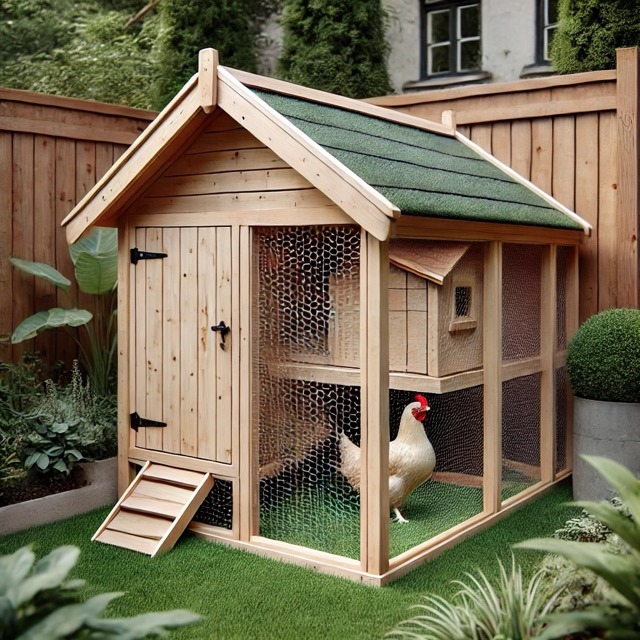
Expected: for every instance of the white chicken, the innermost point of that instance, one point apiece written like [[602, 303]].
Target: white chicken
[[411, 456]]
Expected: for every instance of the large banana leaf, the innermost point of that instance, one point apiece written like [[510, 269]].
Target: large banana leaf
[[96, 274], [51, 319], [44, 271], [101, 241], [95, 259]]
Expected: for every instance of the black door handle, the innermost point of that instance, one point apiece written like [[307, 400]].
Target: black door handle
[[223, 329]]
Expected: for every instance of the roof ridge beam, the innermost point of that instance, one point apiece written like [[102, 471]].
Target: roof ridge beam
[[339, 102]]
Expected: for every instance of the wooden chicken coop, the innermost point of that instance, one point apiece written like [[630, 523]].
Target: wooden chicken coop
[[294, 268]]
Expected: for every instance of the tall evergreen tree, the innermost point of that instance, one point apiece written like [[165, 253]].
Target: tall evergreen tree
[[336, 45], [589, 31], [187, 27]]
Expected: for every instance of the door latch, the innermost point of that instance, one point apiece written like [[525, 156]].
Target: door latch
[[223, 329]]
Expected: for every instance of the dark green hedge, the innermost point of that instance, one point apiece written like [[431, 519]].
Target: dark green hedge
[[590, 31], [188, 27], [336, 46], [603, 362]]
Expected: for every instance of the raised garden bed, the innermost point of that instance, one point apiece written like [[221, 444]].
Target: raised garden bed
[[97, 487]]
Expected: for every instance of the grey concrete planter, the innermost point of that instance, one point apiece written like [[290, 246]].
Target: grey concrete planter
[[609, 429], [101, 489]]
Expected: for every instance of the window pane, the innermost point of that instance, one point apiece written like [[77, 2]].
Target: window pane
[[438, 27], [551, 14], [469, 21], [439, 59], [469, 55], [548, 37]]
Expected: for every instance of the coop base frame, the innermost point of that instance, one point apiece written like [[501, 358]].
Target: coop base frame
[[351, 569]]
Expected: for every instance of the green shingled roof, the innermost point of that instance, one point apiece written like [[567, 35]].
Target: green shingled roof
[[420, 172]]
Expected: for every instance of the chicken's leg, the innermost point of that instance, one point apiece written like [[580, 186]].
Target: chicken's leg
[[399, 517]]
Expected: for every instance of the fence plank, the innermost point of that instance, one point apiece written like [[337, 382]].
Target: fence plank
[[6, 234], [587, 206], [22, 232], [44, 229]]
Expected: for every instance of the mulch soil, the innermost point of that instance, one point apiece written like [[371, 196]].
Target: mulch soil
[[33, 485]]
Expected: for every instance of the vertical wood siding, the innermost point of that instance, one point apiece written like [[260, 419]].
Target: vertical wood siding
[[52, 151]]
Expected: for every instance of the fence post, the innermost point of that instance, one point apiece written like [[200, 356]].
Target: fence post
[[628, 193]]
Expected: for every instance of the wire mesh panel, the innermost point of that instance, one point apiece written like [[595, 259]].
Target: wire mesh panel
[[562, 391], [521, 277], [217, 507], [307, 315], [562, 268], [520, 434], [454, 427]]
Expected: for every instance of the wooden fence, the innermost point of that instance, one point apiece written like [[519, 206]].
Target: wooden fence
[[52, 151], [576, 137]]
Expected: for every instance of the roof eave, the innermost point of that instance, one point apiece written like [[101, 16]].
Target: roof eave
[[586, 227]]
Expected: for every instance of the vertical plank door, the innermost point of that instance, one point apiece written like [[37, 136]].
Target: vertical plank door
[[181, 366]]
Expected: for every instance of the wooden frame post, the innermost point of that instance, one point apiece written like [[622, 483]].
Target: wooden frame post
[[124, 374], [573, 300], [628, 84], [375, 404], [548, 341], [492, 377]]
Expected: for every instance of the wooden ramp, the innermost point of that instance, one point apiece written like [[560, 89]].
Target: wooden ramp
[[155, 509]]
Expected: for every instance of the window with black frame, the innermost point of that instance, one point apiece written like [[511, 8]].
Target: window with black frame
[[547, 25], [451, 37]]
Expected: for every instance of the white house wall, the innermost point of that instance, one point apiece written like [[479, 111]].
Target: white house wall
[[508, 41]]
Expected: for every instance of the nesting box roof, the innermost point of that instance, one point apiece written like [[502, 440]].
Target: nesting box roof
[[430, 260], [374, 163]]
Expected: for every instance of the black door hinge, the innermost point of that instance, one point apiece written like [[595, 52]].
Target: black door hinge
[[136, 255], [137, 421]]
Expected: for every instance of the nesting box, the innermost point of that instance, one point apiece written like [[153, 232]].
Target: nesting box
[[294, 268]]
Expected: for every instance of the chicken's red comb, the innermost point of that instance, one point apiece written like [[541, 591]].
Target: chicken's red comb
[[421, 399]]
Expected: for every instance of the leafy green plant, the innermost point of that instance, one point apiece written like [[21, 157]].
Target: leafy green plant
[[69, 423], [484, 611], [53, 446], [9, 457], [620, 569], [603, 359], [95, 260], [37, 601]]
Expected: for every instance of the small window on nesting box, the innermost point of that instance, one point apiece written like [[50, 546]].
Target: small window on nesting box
[[463, 316]]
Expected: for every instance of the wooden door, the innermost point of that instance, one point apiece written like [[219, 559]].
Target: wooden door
[[181, 367]]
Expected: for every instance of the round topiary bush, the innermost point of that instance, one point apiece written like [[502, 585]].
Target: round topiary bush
[[603, 362]]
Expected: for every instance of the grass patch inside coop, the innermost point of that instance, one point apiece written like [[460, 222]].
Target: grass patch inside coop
[[317, 517]]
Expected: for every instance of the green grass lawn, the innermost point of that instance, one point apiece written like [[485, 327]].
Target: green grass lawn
[[244, 596]]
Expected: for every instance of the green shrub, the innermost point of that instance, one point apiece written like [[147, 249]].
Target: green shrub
[[188, 27], [336, 46], [604, 357], [590, 31], [38, 601]]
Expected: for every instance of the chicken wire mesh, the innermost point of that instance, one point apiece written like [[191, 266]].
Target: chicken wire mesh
[[454, 427], [521, 308], [307, 313], [562, 427], [217, 507], [520, 434]]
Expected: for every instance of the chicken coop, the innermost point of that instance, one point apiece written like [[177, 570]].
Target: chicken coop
[[342, 330]]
